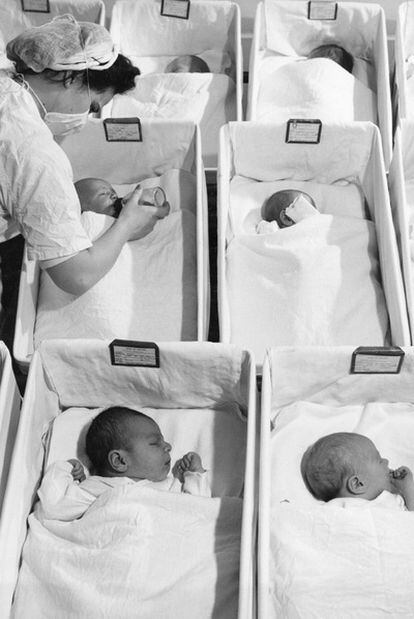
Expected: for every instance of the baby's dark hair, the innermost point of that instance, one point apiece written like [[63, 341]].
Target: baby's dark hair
[[336, 53], [195, 64], [281, 200], [328, 463], [108, 430]]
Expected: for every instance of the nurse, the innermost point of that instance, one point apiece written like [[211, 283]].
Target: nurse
[[63, 70]]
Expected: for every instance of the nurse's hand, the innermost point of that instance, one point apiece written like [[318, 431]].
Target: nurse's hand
[[141, 218]]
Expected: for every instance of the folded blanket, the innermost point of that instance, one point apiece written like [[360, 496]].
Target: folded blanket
[[317, 88], [330, 562], [314, 283], [135, 553], [205, 98]]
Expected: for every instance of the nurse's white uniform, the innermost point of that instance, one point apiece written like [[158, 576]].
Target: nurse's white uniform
[[37, 196]]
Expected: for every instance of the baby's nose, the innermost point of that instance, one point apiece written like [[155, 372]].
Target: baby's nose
[[167, 446]]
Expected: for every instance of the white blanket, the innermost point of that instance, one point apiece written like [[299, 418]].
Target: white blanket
[[317, 88], [332, 562], [135, 553], [205, 98], [150, 292], [317, 282]]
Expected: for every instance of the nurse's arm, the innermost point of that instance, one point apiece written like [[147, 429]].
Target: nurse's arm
[[83, 270]]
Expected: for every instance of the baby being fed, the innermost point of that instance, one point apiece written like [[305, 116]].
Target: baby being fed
[[97, 195], [285, 208], [124, 446], [345, 468]]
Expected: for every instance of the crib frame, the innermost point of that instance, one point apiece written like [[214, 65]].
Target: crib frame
[[10, 402], [376, 191], [43, 401], [196, 23], [259, 44], [330, 368], [187, 154]]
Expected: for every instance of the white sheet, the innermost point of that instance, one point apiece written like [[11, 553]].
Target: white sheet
[[316, 88], [205, 98], [162, 302], [247, 197], [327, 561], [135, 549], [317, 282], [204, 431]]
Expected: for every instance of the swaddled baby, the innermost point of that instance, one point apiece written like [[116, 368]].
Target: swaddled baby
[[334, 52], [285, 208], [98, 196], [124, 446], [187, 63], [345, 468]]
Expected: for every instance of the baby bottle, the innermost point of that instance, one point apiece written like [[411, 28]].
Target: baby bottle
[[152, 196]]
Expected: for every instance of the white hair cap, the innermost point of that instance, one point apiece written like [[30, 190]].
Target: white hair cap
[[63, 44]]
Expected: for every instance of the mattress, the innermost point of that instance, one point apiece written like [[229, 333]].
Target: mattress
[[317, 282], [162, 302]]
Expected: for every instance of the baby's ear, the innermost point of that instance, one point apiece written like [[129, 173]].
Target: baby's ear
[[117, 461], [355, 485]]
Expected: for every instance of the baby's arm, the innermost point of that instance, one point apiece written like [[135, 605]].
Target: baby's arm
[[193, 476], [402, 481], [60, 496]]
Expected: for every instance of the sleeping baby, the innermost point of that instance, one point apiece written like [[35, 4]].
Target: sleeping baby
[[124, 446], [334, 52], [97, 195], [285, 208], [346, 469], [187, 64]]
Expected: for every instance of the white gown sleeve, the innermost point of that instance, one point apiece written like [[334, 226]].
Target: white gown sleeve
[[61, 498], [196, 483]]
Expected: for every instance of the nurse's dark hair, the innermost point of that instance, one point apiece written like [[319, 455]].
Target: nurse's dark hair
[[120, 77], [109, 430]]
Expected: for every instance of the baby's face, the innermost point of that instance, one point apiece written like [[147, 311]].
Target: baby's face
[[98, 196], [149, 454], [373, 467]]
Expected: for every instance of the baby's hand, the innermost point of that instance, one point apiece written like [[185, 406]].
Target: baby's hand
[[77, 472], [190, 462], [401, 479]]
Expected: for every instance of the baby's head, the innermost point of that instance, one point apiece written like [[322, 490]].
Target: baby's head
[[97, 195], [345, 464], [336, 53], [274, 209], [122, 442], [187, 64]]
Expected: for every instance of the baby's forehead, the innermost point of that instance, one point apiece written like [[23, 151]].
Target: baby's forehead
[[144, 426]]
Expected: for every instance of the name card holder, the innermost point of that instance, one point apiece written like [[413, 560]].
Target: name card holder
[[175, 8], [303, 131], [322, 10], [134, 353], [377, 360], [35, 6], [123, 129]]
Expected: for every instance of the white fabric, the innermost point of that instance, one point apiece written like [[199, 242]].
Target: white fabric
[[62, 498], [217, 60], [316, 282], [204, 431], [333, 562], [247, 197], [316, 88], [135, 548], [385, 500], [205, 98], [37, 197], [149, 293]]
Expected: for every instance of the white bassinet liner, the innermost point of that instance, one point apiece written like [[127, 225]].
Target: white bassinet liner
[[218, 62], [162, 303], [326, 399], [404, 60], [204, 98], [13, 20], [316, 88], [9, 416], [284, 28], [166, 145], [204, 431], [346, 152], [69, 373]]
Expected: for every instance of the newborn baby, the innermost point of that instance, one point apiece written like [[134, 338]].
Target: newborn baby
[[334, 52], [124, 446], [187, 64], [285, 208], [346, 467], [97, 195]]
